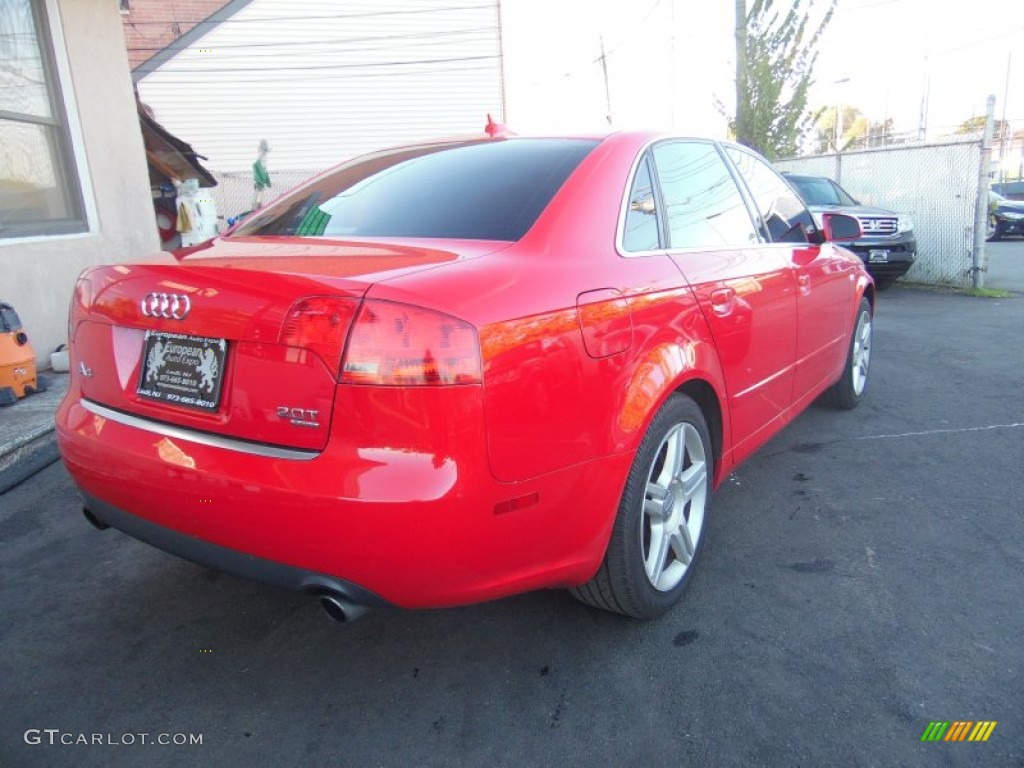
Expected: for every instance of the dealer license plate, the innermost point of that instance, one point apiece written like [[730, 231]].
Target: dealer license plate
[[183, 370], [878, 257]]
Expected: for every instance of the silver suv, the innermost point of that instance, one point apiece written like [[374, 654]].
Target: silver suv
[[887, 247]]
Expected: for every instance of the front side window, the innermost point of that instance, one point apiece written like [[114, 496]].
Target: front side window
[[703, 206], [39, 188], [474, 190], [782, 214]]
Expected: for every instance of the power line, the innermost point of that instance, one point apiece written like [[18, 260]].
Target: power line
[[211, 57], [340, 80], [867, 6], [622, 41], [270, 76], [629, 35], [331, 41], [310, 67], [1010, 33], [372, 14]]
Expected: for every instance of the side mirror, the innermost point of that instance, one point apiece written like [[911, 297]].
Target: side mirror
[[838, 227]]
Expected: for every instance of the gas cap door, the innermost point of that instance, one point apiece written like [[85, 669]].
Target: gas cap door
[[605, 322]]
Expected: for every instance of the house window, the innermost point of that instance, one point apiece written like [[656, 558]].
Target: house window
[[40, 192]]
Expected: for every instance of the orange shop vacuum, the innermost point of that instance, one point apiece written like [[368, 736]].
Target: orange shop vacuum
[[17, 359]]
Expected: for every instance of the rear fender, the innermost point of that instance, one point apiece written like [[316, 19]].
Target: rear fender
[[691, 367]]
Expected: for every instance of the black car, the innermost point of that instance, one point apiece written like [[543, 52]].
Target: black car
[[887, 247], [1005, 217]]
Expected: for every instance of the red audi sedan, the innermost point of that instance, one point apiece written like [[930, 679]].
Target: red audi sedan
[[451, 372]]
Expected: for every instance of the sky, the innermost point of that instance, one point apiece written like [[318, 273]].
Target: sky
[[670, 63]]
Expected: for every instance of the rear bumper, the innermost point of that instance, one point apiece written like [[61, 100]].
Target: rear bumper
[[227, 560], [399, 509]]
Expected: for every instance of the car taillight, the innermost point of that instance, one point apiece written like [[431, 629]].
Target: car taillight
[[400, 345], [320, 324], [81, 300]]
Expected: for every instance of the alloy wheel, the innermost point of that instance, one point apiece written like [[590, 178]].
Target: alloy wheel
[[673, 508], [861, 353]]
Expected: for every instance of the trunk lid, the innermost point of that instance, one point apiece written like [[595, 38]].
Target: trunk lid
[[196, 340]]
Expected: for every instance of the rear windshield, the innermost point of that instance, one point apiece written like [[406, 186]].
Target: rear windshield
[[819, 191], [479, 190]]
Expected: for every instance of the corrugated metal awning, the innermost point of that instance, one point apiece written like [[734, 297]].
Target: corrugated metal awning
[[169, 158]]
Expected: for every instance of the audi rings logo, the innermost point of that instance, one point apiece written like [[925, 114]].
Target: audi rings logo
[[169, 305]]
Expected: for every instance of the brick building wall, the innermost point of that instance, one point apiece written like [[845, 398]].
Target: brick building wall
[[151, 25]]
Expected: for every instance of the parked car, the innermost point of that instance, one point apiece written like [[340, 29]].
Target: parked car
[[887, 247], [1005, 217], [455, 371], [1011, 190]]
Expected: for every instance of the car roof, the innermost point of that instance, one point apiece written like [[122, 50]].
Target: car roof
[[804, 176], [641, 136]]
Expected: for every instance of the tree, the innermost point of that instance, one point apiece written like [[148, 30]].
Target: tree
[[977, 125], [881, 134], [775, 56], [853, 125]]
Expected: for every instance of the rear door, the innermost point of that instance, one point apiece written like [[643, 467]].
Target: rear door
[[745, 288]]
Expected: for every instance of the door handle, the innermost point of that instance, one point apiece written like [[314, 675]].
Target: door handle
[[721, 300], [804, 282]]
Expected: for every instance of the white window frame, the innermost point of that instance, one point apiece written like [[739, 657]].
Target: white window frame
[[72, 129]]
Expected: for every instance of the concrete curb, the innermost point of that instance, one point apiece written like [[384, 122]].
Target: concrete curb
[[27, 432], [23, 457]]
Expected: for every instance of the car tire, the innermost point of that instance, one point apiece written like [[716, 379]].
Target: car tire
[[659, 528], [849, 390], [994, 230]]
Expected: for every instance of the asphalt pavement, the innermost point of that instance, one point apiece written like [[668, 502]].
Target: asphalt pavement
[[1004, 267], [863, 576]]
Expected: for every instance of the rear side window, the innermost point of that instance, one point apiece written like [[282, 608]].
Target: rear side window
[[782, 214], [703, 206], [478, 190], [641, 230]]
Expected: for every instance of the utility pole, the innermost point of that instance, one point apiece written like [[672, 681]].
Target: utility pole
[[607, 92], [922, 120], [1004, 128], [981, 210]]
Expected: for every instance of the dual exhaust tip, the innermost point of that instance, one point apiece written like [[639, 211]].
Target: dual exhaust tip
[[338, 607]]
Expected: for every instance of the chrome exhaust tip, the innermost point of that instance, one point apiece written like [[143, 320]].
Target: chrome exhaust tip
[[341, 609], [94, 521]]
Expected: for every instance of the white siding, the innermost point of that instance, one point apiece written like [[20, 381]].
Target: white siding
[[324, 80]]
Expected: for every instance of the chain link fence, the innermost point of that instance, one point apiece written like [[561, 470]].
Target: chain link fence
[[935, 184], [234, 191]]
